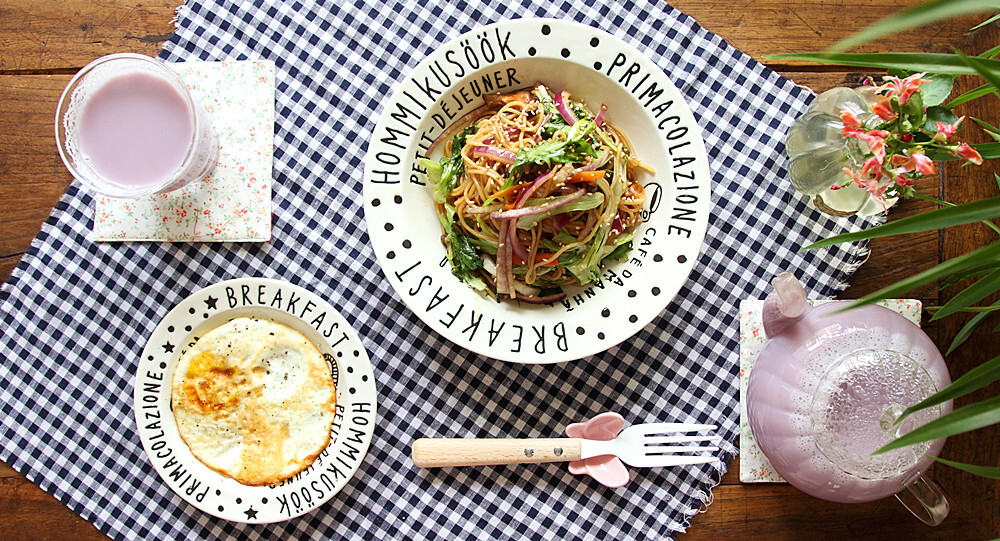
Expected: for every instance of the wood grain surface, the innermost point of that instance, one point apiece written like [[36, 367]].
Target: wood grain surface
[[42, 43]]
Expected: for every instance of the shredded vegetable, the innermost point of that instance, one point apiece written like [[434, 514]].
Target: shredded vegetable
[[535, 195]]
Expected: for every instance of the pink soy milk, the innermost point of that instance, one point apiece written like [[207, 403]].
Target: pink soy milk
[[127, 126], [135, 129]]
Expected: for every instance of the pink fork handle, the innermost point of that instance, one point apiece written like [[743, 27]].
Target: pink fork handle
[[444, 453]]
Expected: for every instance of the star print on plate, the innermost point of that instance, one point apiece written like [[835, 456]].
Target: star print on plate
[[349, 365]]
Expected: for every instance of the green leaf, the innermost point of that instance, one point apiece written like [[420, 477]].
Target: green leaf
[[966, 331], [990, 129], [977, 92], [915, 107], [970, 295], [971, 417], [586, 202], [973, 380], [993, 134], [984, 209], [990, 252], [940, 63], [938, 90], [987, 223], [987, 150], [985, 125], [990, 72], [996, 177], [990, 53], [445, 177], [991, 472], [918, 15], [975, 271], [938, 114], [986, 22]]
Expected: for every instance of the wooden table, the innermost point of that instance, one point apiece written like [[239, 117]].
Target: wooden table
[[43, 42]]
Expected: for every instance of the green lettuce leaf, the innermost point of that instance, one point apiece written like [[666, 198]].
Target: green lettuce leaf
[[588, 201]]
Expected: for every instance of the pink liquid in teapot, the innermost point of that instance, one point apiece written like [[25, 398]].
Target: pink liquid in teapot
[[827, 388]]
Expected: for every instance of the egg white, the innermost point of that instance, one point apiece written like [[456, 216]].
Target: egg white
[[254, 400]]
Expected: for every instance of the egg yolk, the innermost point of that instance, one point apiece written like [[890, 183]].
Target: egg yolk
[[211, 384]]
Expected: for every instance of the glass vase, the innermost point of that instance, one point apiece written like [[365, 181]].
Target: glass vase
[[818, 153]]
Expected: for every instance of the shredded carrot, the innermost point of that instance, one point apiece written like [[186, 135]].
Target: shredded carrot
[[508, 191], [587, 176]]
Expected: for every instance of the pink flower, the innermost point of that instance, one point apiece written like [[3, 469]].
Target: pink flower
[[876, 142], [874, 138], [872, 185], [970, 154], [924, 165], [916, 161], [904, 88], [872, 167], [946, 130], [850, 121], [883, 108]]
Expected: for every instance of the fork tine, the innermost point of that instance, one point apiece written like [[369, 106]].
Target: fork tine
[[671, 449], [662, 440], [670, 428], [671, 460]]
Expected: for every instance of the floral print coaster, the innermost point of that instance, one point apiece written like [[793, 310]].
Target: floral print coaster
[[234, 202], [754, 467]]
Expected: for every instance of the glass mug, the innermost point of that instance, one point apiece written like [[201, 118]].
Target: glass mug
[[126, 126], [826, 391]]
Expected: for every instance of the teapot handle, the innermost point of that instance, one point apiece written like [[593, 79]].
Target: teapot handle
[[924, 499]]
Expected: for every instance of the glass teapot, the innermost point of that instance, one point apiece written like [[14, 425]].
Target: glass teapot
[[826, 391]]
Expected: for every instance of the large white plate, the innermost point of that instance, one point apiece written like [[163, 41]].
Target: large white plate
[[353, 425], [598, 68]]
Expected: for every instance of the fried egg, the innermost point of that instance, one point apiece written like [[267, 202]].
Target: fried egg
[[254, 400]]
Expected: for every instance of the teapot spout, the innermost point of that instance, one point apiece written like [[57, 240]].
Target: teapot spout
[[785, 306]]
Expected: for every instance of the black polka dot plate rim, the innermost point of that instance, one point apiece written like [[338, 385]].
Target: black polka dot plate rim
[[353, 426], [598, 68]]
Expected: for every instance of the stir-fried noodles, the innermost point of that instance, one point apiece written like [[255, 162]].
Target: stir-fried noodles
[[535, 194]]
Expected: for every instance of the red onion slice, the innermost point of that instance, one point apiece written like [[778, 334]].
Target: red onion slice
[[616, 226], [515, 244], [505, 272], [536, 209], [599, 119], [563, 110], [498, 154], [537, 183], [599, 161], [556, 297]]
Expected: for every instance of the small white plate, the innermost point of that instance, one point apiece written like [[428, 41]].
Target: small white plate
[[353, 425], [592, 65]]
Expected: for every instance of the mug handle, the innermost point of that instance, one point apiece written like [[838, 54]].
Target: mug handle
[[924, 499]]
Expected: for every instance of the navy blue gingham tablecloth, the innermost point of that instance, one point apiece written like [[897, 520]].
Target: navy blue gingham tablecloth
[[76, 313]]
